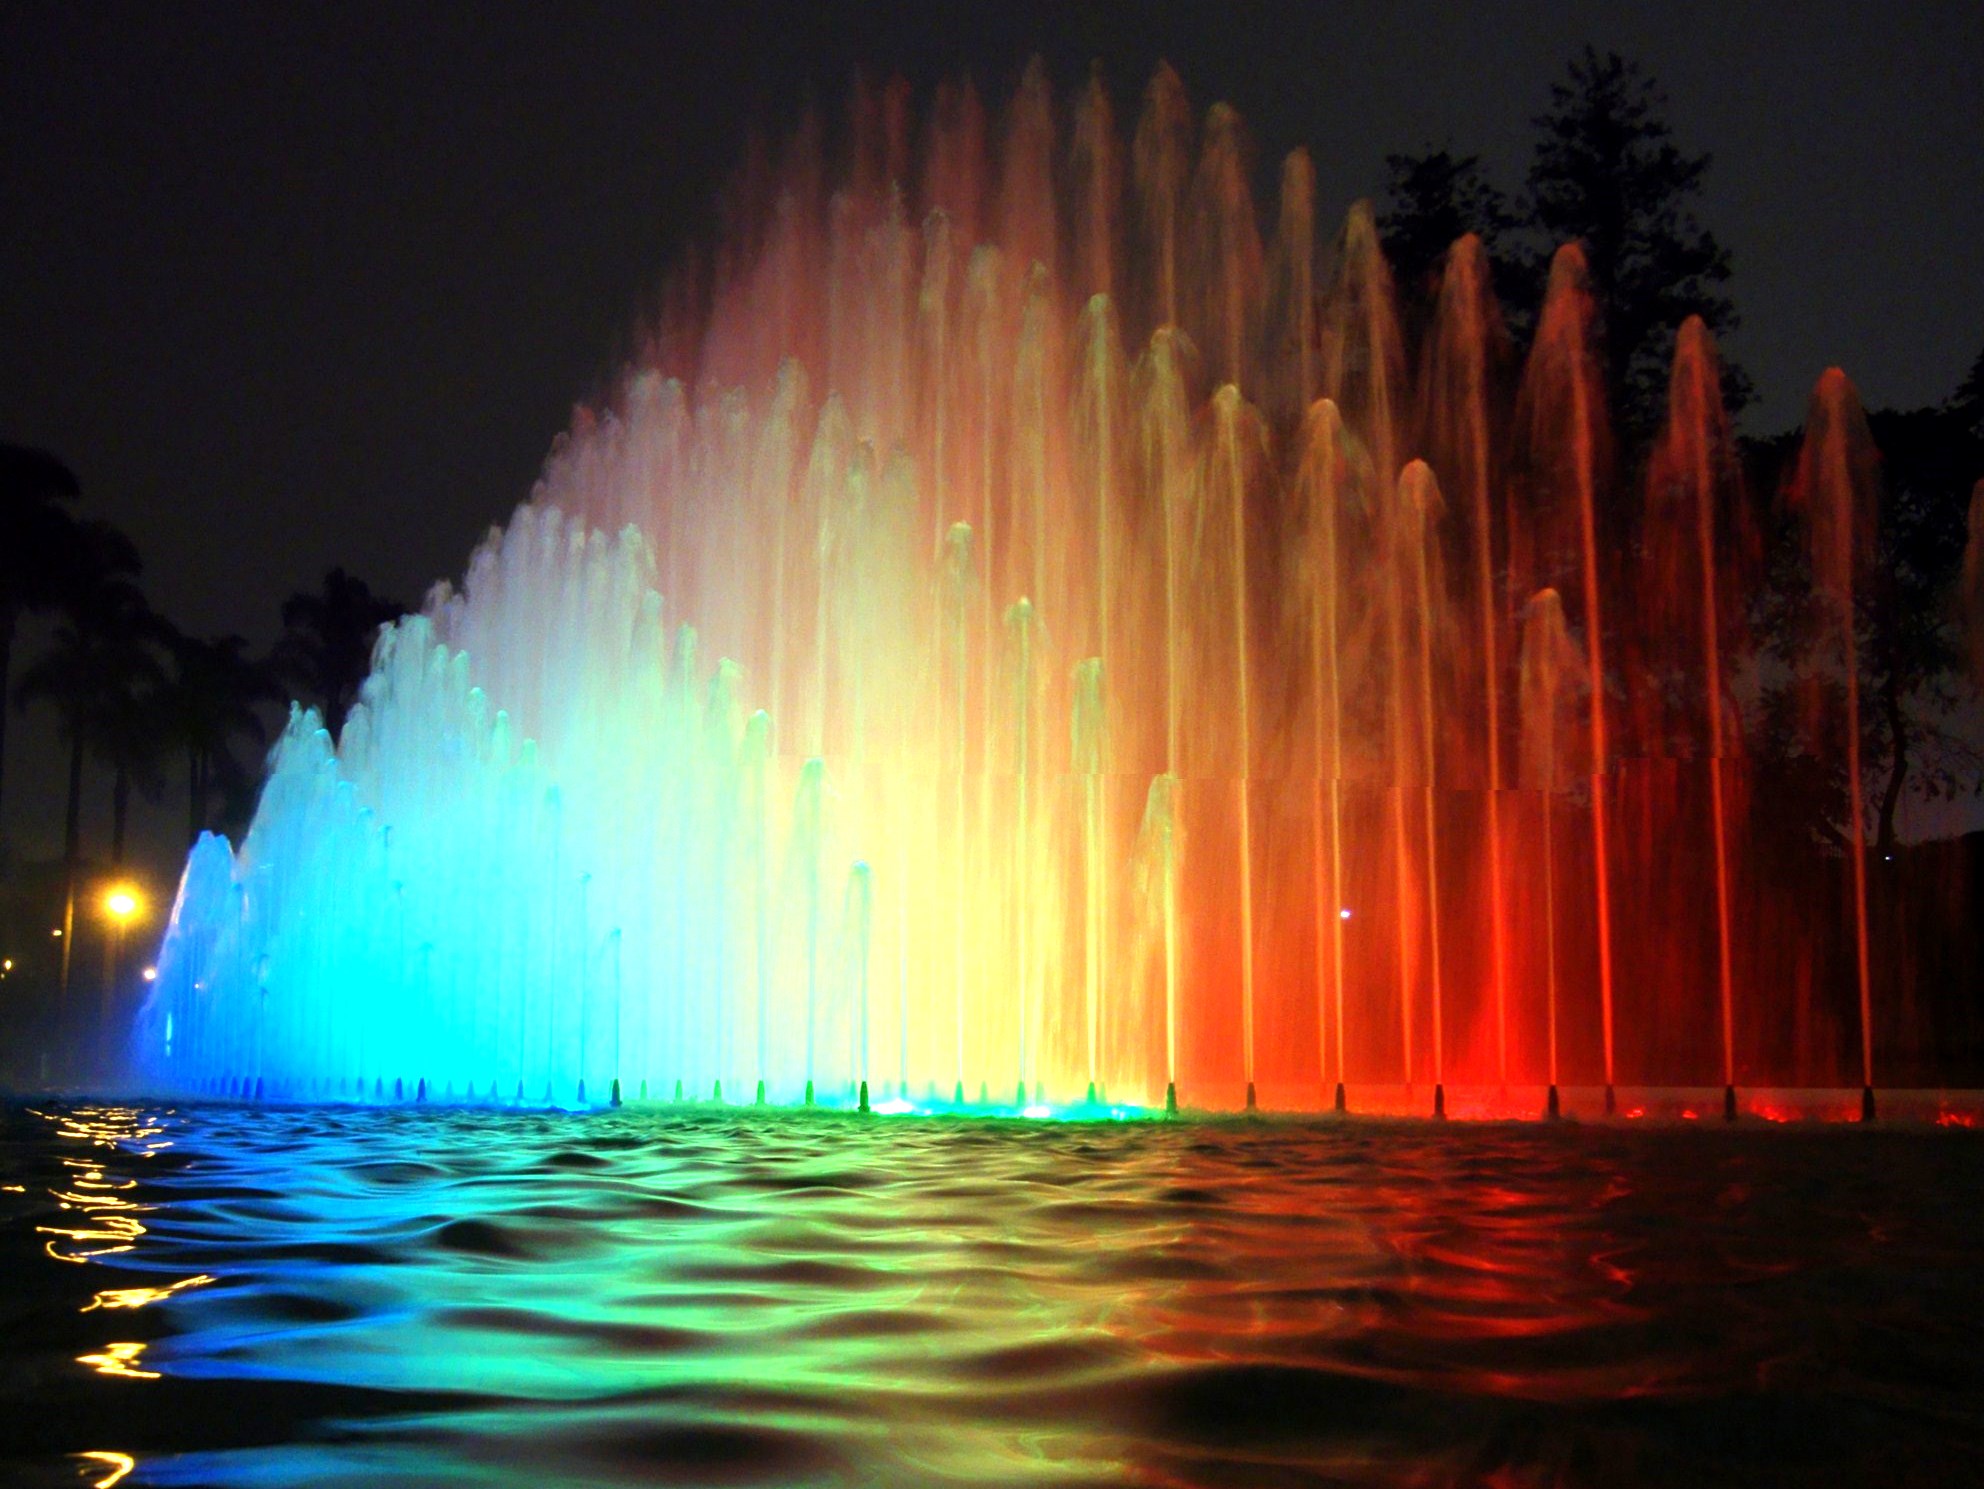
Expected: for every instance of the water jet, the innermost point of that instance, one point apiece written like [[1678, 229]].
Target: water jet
[[924, 582]]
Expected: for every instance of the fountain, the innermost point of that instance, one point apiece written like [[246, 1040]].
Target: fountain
[[1015, 630]]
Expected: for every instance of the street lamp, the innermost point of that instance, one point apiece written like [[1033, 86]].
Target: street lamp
[[122, 903]]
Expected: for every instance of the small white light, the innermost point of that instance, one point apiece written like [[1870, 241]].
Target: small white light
[[56, 933], [151, 974], [1344, 913]]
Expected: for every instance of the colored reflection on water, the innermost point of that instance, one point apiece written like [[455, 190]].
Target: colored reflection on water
[[333, 1295], [113, 1467]]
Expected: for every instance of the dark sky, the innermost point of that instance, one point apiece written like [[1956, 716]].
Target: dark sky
[[299, 285]]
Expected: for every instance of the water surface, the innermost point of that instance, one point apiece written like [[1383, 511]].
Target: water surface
[[222, 1295]]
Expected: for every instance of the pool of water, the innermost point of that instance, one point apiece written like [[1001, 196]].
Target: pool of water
[[223, 1295]]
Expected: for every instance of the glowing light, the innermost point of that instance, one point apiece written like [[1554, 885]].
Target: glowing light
[[123, 903], [1344, 913], [151, 974], [119, 1360], [141, 1297], [119, 1464]]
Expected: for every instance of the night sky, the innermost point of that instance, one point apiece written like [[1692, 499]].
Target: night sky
[[293, 286]]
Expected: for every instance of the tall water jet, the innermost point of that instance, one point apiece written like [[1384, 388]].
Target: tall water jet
[[1567, 411], [934, 308], [1292, 340], [1363, 367], [1099, 421], [1236, 449], [1164, 455], [807, 833], [1467, 341], [725, 793], [1096, 159], [1036, 472], [1320, 488], [757, 802], [1160, 846], [1020, 623], [858, 925], [1228, 249], [985, 324], [957, 596], [1837, 486], [1099, 418], [1027, 212], [1548, 661], [1163, 423], [1087, 762], [1160, 158], [1416, 554], [1693, 468]]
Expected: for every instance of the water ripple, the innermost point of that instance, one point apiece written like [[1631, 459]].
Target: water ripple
[[229, 1296]]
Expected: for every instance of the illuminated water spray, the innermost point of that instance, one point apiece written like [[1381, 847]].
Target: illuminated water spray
[[1021, 625]]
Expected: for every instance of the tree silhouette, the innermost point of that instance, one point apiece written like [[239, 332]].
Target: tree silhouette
[[1606, 173], [1434, 198], [1909, 639], [131, 743], [210, 701], [1966, 405], [47, 554], [97, 674], [1915, 652], [325, 652]]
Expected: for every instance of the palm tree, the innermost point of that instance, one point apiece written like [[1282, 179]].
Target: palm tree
[[131, 741], [210, 702], [102, 665], [325, 652], [46, 553]]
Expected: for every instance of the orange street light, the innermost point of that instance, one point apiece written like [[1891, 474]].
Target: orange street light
[[123, 904]]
